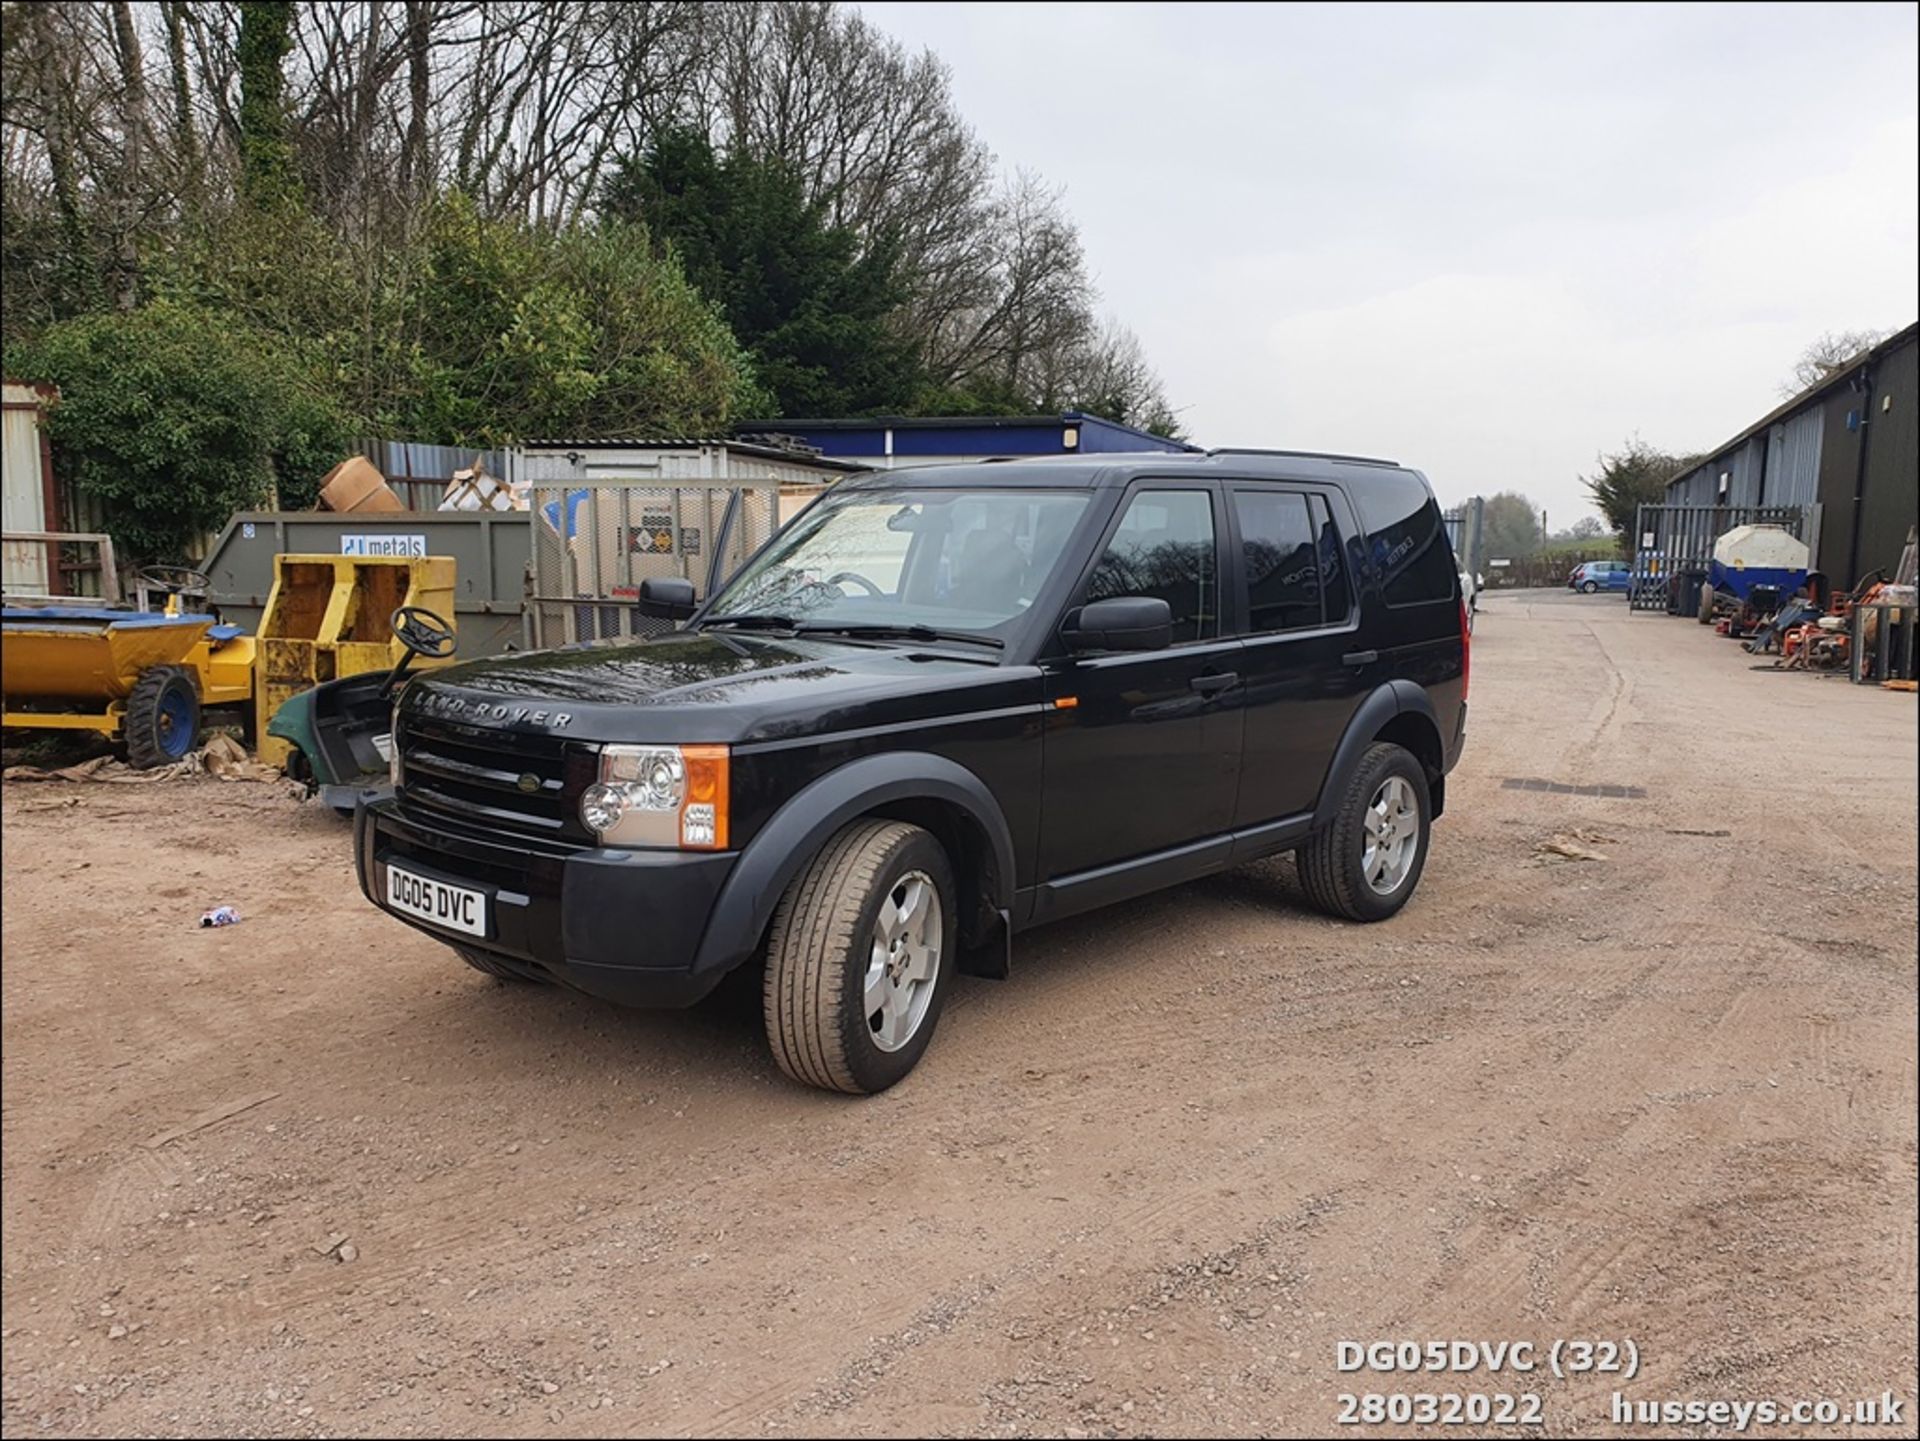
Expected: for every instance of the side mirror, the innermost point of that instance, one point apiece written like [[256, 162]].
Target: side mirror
[[668, 598], [1127, 622]]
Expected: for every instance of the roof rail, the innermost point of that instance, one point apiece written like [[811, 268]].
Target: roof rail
[[1305, 454]]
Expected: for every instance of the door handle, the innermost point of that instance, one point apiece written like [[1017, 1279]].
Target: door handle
[[1214, 682], [1360, 657]]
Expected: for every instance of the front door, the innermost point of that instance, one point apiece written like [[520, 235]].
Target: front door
[[1142, 751]]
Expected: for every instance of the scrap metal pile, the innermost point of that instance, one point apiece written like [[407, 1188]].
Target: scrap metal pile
[[1795, 614]]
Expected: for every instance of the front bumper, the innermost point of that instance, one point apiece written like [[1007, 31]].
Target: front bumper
[[621, 925]]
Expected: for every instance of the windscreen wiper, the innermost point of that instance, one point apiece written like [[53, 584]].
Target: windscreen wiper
[[753, 620], [899, 632]]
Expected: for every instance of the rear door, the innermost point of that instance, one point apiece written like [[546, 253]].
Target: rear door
[[1142, 752], [1296, 610]]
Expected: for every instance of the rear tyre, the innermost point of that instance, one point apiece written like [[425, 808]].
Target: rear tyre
[[1366, 862], [1588, 587], [859, 957], [163, 716], [488, 966], [1706, 605]]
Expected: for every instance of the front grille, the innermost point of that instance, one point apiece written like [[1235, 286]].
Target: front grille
[[493, 780]]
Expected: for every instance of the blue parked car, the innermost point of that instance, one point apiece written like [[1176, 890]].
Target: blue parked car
[[1600, 575]]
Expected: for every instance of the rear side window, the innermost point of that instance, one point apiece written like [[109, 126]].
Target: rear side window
[[1406, 538], [1164, 547], [1335, 589], [1296, 578]]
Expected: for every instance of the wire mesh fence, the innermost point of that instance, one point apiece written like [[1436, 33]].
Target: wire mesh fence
[[597, 541]]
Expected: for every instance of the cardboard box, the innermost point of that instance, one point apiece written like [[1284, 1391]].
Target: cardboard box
[[355, 484], [474, 489]]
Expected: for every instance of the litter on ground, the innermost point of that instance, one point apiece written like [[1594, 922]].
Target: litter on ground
[[222, 756]]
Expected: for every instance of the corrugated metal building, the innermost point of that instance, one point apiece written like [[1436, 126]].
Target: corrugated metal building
[[419, 473], [1850, 444], [886, 442], [26, 482]]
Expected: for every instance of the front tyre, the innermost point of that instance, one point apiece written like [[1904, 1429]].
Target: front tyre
[[859, 957], [1366, 862]]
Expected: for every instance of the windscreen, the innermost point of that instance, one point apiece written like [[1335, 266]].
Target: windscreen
[[958, 560]]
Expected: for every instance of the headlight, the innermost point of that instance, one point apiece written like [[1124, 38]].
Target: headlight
[[659, 796]]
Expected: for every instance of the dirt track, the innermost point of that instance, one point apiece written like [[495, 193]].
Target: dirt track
[[1142, 1188]]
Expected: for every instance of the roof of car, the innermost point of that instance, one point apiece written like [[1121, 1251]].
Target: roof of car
[[1122, 467]]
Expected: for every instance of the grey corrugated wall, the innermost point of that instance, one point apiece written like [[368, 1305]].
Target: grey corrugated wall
[[1696, 487], [1793, 459], [1745, 466]]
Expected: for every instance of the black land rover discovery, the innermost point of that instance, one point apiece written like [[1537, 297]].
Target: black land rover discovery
[[941, 706]]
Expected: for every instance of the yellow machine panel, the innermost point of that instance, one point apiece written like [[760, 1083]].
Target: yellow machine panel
[[327, 617], [89, 658]]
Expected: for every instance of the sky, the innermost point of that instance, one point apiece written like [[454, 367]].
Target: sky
[[1486, 241]]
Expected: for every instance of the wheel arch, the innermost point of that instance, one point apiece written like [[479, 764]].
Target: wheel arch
[[1399, 713], [918, 787]]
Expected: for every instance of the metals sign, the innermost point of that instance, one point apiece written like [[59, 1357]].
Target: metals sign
[[407, 545]]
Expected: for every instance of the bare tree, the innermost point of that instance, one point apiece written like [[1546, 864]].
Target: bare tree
[[869, 128], [367, 111], [413, 149], [1588, 527], [542, 97], [1031, 301], [128, 182], [1109, 375], [61, 111], [874, 134], [186, 136], [1832, 353]]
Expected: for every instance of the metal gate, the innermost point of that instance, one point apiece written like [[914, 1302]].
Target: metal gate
[[1673, 547], [602, 530], [1467, 531]]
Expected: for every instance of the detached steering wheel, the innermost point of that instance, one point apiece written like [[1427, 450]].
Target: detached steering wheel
[[859, 580], [175, 579], [422, 632]]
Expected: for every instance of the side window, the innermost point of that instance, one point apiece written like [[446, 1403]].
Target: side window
[[1279, 552], [1291, 551], [1406, 539], [1334, 586], [1164, 547]]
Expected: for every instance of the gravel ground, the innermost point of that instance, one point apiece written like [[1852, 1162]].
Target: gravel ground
[[1145, 1187]]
